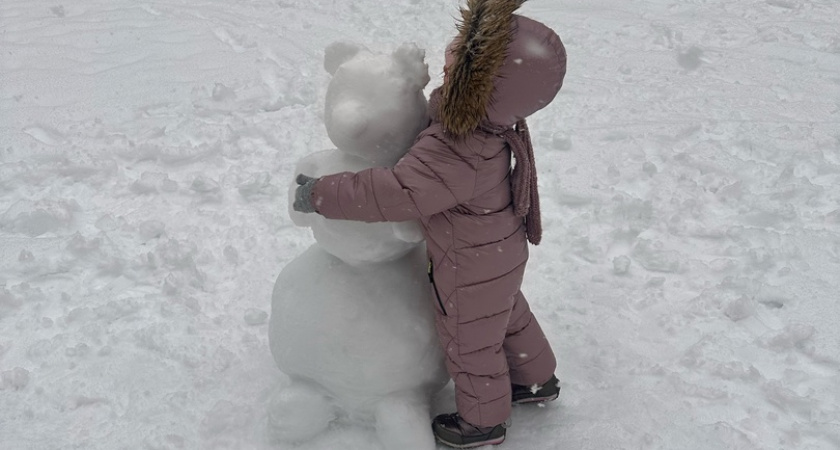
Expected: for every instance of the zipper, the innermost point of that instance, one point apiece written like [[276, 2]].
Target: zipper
[[434, 287]]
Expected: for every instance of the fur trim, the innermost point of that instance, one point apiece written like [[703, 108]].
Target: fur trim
[[481, 47]]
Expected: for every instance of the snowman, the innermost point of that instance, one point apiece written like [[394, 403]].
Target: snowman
[[351, 321]]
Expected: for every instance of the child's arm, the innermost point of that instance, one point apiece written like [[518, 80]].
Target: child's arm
[[429, 179]]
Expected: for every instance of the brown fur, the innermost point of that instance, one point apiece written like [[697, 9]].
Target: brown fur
[[483, 36]]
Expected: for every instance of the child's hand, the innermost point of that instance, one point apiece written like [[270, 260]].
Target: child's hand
[[303, 194]]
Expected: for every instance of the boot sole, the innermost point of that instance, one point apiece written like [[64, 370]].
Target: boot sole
[[526, 401], [496, 441]]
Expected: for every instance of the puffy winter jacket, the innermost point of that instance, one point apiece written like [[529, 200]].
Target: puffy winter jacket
[[456, 180]]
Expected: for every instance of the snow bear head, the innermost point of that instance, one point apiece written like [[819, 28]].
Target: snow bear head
[[375, 106]]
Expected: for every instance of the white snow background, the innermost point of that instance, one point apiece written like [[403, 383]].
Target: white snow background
[[688, 280]]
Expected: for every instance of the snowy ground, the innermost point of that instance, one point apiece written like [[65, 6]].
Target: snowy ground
[[690, 176]]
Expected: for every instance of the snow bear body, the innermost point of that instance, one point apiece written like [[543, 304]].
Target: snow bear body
[[352, 322]]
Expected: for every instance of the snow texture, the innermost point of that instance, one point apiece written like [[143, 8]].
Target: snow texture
[[375, 106], [351, 321], [690, 181]]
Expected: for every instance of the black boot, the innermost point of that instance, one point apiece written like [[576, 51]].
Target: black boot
[[452, 430], [535, 393]]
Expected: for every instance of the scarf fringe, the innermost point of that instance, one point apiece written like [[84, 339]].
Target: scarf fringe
[[524, 181]]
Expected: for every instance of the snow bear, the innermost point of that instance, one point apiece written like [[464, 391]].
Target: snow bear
[[374, 110], [351, 321]]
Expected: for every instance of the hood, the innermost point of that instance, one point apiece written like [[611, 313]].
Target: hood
[[504, 68]]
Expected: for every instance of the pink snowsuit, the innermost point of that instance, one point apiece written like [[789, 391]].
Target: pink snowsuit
[[459, 188]]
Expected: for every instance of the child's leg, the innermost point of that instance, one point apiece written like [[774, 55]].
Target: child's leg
[[475, 358], [529, 355]]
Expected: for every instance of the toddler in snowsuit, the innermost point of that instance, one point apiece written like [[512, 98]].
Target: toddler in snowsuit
[[477, 214]]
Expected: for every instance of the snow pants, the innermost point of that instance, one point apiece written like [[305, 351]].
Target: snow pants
[[487, 350]]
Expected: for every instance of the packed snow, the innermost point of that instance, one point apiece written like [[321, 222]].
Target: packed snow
[[690, 180], [351, 321]]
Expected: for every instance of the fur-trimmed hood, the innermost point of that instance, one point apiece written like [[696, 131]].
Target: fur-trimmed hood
[[505, 67]]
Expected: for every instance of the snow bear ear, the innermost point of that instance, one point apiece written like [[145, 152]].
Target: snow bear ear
[[339, 53], [410, 60]]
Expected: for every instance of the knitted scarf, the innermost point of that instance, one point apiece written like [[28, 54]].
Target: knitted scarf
[[526, 199]]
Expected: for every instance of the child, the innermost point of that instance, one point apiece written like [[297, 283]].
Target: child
[[476, 213]]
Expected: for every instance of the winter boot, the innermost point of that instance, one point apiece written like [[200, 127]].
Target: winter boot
[[535, 393], [452, 430]]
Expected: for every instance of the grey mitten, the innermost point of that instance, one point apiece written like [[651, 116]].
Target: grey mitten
[[303, 194]]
